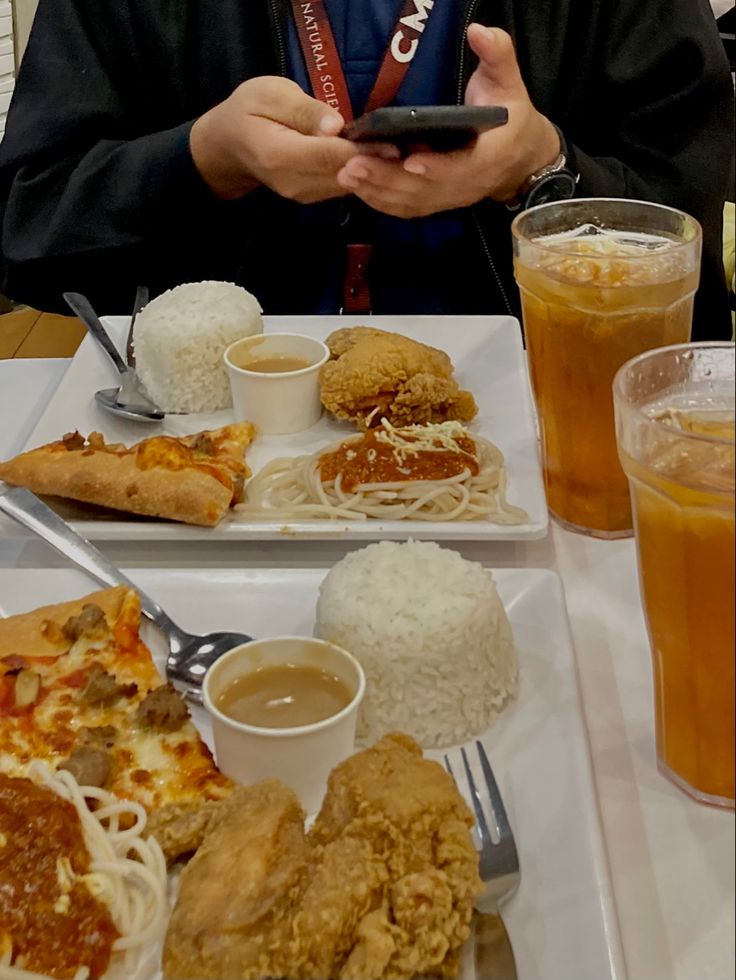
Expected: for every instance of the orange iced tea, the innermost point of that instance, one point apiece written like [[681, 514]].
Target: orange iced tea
[[681, 470], [592, 299]]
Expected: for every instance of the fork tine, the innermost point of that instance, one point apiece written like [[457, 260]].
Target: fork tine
[[448, 767], [497, 808], [480, 817]]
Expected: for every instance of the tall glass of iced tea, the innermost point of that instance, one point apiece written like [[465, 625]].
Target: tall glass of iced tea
[[675, 428], [600, 281]]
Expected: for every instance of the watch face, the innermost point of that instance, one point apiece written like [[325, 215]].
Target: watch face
[[559, 186]]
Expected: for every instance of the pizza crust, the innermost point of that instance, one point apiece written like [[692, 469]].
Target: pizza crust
[[185, 491], [24, 634], [188, 495]]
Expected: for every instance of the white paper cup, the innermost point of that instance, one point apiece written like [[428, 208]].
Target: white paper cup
[[301, 757], [282, 402]]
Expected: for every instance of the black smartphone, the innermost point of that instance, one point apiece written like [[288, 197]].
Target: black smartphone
[[439, 127]]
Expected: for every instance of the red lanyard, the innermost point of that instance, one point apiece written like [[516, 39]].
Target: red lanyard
[[329, 85], [323, 62]]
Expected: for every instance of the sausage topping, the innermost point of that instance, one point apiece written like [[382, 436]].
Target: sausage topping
[[89, 766], [101, 737], [163, 708], [102, 689], [91, 620], [73, 440]]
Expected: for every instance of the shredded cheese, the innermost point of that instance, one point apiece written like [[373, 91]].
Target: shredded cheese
[[62, 904], [97, 884], [65, 875], [430, 438]]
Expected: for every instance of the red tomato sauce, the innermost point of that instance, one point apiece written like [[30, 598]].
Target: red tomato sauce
[[370, 460], [38, 828]]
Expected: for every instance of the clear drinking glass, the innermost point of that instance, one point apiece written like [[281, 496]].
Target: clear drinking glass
[[600, 281], [675, 430]]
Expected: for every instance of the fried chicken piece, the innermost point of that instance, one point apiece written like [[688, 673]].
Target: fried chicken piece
[[376, 374], [340, 341], [382, 888], [373, 949], [410, 811], [346, 882], [233, 914], [180, 828]]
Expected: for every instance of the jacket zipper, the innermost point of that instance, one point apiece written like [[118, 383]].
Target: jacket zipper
[[279, 34], [492, 264], [469, 14]]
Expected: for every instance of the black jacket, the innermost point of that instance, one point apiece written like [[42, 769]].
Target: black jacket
[[98, 191]]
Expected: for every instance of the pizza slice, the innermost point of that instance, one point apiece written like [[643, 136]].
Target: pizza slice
[[194, 479], [79, 690]]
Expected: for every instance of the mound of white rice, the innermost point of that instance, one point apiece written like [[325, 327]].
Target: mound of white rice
[[179, 340], [431, 634]]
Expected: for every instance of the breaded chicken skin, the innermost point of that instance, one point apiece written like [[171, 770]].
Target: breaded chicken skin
[[375, 374], [233, 911], [409, 811], [381, 889]]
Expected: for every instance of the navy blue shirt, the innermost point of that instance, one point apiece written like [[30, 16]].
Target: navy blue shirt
[[416, 261]]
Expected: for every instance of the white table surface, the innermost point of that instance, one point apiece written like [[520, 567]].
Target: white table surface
[[671, 860], [26, 384]]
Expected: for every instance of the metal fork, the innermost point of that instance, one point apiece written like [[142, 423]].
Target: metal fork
[[499, 872]]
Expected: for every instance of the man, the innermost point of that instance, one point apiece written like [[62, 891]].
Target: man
[[162, 142]]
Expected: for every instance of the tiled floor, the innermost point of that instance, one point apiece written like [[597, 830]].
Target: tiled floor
[[28, 333]]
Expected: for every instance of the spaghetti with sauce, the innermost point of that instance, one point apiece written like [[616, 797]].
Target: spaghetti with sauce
[[82, 894], [419, 472]]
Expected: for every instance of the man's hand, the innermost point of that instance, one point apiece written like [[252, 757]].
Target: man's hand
[[269, 132], [495, 165]]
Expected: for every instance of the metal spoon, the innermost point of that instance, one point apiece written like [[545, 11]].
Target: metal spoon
[[189, 655], [128, 400]]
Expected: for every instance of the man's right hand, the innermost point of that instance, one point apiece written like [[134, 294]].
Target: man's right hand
[[270, 132]]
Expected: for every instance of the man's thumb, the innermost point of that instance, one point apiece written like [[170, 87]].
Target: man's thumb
[[313, 118], [496, 55]]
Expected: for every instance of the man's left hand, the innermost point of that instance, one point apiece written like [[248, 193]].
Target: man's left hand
[[494, 166]]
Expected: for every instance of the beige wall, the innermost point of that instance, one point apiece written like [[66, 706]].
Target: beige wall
[[23, 14]]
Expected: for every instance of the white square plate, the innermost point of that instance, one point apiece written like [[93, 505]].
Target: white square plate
[[562, 920], [489, 360]]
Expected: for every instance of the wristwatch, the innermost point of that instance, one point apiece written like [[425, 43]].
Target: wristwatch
[[555, 182]]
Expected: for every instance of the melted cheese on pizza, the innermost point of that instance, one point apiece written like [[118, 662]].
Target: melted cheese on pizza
[[221, 458], [91, 708]]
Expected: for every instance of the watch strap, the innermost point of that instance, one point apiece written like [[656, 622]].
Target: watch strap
[[569, 153]]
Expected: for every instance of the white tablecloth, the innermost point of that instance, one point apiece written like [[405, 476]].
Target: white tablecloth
[[25, 387], [671, 860]]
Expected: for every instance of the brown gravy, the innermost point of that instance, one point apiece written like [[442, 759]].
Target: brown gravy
[[275, 364], [285, 696]]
